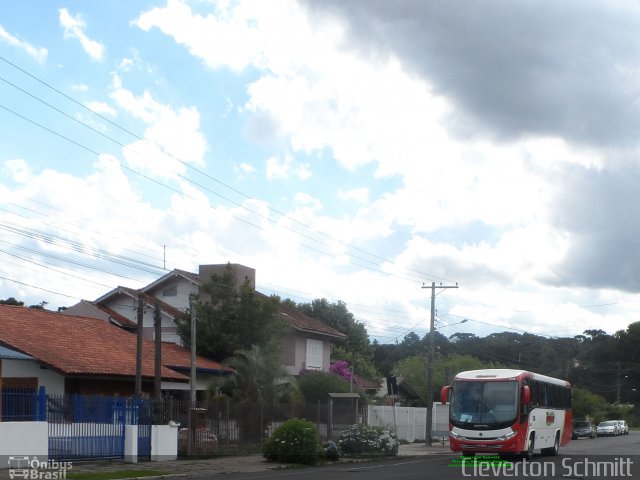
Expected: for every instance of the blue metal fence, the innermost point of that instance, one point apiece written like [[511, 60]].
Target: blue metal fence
[[93, 426], [23, 405]]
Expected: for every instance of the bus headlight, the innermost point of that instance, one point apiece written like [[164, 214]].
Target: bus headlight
[[455, 436], [507, 436]]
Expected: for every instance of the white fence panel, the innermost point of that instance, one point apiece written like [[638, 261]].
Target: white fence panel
[[410, 422]]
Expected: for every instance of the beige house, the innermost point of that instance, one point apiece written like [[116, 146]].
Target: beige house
[[305, 345]]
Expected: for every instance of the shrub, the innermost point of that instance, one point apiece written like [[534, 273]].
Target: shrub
[[295, 441], [330, 450], [316, 386], [368, 440]]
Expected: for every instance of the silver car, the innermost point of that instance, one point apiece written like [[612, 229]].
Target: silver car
[[607, 429]]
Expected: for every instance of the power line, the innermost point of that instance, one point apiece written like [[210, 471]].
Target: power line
[[163, 150]]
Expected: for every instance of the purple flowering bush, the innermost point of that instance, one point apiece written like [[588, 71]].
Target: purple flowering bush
[[342, 369]]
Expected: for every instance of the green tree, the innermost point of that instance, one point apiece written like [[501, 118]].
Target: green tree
[[258, 385], [414, 370], [363, 366], [588, 405], [337, 315], [356, 349], [12, 301], [259, 377], [230, 319], [316, 386]]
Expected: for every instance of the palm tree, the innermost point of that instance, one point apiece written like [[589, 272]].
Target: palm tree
[[259, 384]]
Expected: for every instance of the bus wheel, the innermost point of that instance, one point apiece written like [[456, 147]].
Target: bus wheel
[[553, 451], [532, 445]]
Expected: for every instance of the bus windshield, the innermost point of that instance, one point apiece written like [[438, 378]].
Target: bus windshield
[[483, 404]]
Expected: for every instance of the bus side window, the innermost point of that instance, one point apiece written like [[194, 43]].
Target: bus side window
[[534, 393]]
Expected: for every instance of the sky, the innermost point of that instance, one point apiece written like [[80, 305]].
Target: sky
[[354, 151]]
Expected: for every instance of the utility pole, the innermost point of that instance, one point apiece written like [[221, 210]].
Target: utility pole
[[140, 320], [157, 383], [430, 355], [192, 380]]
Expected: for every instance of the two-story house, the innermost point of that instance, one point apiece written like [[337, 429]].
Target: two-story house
[[305, 344]]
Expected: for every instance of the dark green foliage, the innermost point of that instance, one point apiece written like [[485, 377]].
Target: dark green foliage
[[602, 364], [362, 439], [316, 386], [12, 301], [232, 319], [339, 317], [356, 349], [331, 451], [295, 441]]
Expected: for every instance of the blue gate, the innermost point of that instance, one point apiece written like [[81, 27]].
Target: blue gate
[[143, 417], [85, 427]]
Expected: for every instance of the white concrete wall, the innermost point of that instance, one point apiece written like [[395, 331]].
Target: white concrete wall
[[131, 443], [164, 443], [411, 422], [52, 381], [23, 439]]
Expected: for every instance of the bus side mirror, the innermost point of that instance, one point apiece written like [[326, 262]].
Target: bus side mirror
[[526, 395], [444, 394]]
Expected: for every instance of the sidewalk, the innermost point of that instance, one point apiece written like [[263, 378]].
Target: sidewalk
[[231, 464]]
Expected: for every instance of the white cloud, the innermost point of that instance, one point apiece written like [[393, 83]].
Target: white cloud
[[38, 53], [172, 137], [282, 168], [102, 107], [246, 167], [360, 195], [226, 39], [74, 27]]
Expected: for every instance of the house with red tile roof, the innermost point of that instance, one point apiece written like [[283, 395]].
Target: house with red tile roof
[[305, 344], [74, 354]]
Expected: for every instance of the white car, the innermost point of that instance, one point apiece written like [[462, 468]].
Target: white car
[[623, 427], [607, 429]]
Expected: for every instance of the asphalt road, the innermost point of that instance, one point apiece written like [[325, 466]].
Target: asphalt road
[[614, 457]]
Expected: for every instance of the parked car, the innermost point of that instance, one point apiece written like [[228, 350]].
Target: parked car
[[608, 428], [624, 427], [582, 429]]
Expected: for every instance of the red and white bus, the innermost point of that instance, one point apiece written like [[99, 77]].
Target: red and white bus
[[508, 412]]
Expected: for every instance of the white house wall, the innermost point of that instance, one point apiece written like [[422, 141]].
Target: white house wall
[[202, 383], [300, 352], [125, 306], [52, 381], [183, 288]]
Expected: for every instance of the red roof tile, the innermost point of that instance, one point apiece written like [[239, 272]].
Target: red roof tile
[[86, 346], [305, 323], [175, 356]]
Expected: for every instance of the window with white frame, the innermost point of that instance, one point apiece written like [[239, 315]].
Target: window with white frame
[[314, 354]]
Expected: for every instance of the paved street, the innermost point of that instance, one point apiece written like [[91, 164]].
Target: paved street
[[585, 458]]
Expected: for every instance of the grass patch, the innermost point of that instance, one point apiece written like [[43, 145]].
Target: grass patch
[[113, 475]]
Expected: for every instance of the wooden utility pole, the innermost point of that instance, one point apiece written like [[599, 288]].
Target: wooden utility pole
[[430, 355], [192, 381], [140, 319], [157, 381]]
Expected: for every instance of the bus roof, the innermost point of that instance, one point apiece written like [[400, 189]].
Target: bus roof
[[505, 374]]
